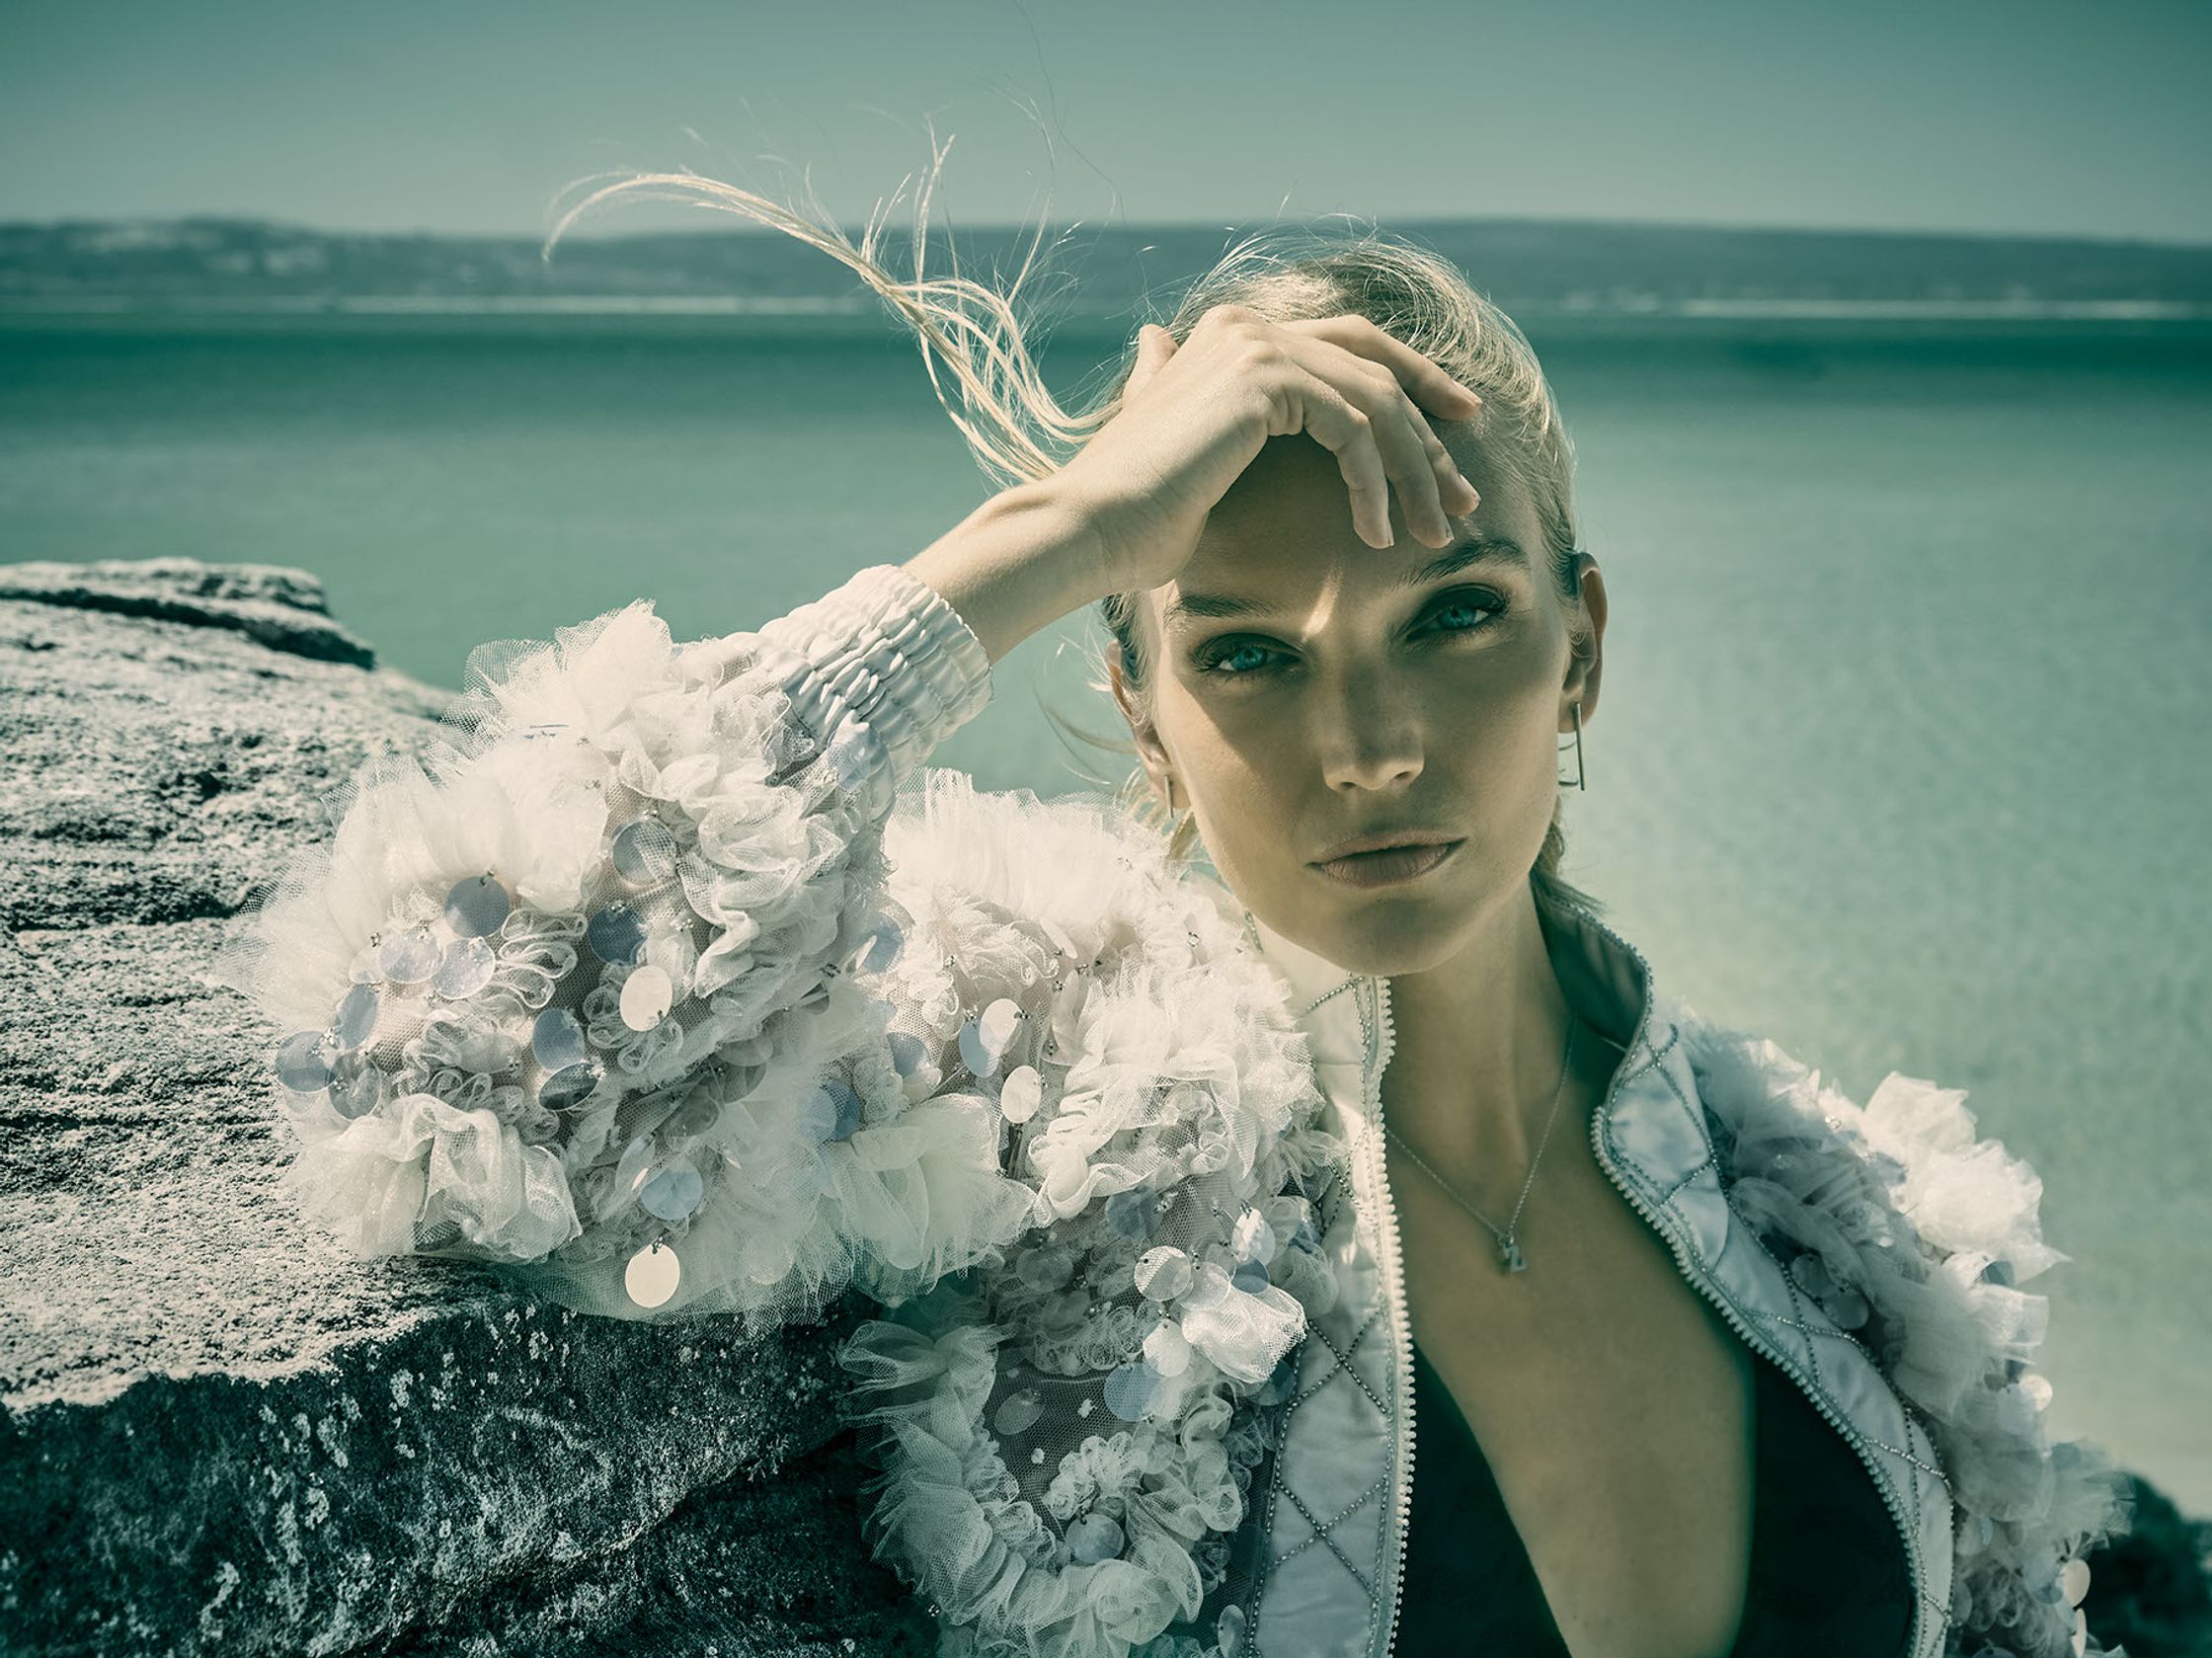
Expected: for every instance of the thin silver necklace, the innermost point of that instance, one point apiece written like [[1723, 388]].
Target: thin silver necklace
[[1509, 1248]]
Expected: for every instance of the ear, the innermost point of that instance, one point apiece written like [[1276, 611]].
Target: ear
[[1586, 623], [1150, 750]]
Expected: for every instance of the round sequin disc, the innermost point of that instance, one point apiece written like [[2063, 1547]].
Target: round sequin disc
[[557, 1039], [646, 997], [673, 1193], [1018, 1411], [569, 1086], [1209, 1289], [356, 1086], [1132, 1391], [476, 906], [465, 969], [1020, 1094], [410, 957], [1250, 1277], [1067, 1009], [1228, 1633], [1165, 1273], [2074, 1579], [644, 851], [357, 1017], [880, 948], [1254, 1239], [1000, 1022], [1093, 1538], [651, 1275], [976, 1053], [1046, 1267], [615, 935], [300, 1066]]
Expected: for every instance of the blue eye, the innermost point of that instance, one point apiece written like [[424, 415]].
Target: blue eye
[[1214, 658]]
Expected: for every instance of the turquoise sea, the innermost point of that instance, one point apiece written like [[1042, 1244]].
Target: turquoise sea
[[1901, 759]]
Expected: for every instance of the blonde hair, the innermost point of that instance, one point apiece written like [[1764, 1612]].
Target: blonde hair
[[1019, 433]]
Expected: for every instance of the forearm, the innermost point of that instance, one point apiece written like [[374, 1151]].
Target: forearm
[[1014, 566]]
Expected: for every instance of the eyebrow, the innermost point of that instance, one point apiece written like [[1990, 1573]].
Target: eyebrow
[[1485, 549]]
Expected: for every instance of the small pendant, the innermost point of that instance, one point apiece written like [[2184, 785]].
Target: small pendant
[[1509, 1253]]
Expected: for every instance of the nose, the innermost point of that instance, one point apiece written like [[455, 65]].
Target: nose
[[1370, 737]]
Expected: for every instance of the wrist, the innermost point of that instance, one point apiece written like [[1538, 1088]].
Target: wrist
[[1018, 563]]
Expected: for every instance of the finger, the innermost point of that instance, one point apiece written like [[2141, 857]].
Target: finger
[[1411, 451], [1424, 380], [1406, 438], [1155, 346], [1359, 339], [1428, 463], [1311, 404]]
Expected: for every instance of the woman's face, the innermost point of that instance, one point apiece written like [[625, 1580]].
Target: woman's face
[[1344, 704]]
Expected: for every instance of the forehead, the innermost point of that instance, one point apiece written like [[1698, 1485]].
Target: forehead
[[1284, 532]]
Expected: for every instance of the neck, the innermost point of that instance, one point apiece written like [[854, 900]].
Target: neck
[[1480, 1041]]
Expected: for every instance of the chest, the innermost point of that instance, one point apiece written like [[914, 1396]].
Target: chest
[[1614, 1405]]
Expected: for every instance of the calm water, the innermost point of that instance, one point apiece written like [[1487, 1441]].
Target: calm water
[[1901, 756]]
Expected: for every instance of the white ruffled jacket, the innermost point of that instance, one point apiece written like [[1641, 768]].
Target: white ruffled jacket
[[675, 983]]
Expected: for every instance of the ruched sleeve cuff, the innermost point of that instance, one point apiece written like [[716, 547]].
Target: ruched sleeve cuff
[[883, 670]]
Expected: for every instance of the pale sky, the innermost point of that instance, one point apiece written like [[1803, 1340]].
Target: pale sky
[[2022, 116]]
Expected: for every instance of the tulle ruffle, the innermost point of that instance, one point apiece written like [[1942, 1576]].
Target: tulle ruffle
[[1913, 1235], [584, 978], [1066, 1430]]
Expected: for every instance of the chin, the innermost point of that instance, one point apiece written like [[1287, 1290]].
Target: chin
[[1375, 933]]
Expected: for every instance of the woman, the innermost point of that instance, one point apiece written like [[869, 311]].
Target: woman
[[678, 983]]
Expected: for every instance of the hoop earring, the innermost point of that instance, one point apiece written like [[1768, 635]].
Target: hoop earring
[[1578, 779]]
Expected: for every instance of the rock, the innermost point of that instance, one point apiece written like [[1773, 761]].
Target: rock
[[283, 610], [221, 1433], [2149, 1589]]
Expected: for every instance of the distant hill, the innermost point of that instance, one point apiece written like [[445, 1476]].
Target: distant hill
[[1528, 265]]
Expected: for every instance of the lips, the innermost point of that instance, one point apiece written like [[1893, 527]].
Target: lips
[[1388, 865], [1386, 840]]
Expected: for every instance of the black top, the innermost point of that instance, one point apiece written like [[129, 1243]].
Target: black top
[[1828, 1569]]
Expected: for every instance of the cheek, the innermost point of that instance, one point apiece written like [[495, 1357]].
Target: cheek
[[1242, 780]]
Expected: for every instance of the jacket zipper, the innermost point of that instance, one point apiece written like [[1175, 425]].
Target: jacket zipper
[[1402, 1320]]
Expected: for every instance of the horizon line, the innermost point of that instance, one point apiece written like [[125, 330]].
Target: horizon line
[[1143, 227]]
